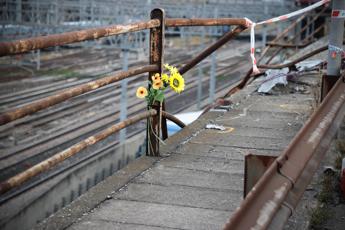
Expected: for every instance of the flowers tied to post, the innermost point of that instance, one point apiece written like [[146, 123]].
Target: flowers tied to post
[[159, 83]]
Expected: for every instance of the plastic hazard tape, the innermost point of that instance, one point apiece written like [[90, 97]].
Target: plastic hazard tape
[[338, 13], [276, 19]]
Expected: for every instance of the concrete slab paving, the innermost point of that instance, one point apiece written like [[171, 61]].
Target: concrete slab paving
[[113, 225], [198, 182], [211, 164], [159, 215], [187, 177], [227, 152], [245, 142], [182, 196]]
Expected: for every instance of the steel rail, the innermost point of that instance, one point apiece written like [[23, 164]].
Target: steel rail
[[63, 95], [209, 50], [280, 188], [24, 45], [47, 164], [178, 22], [174, 119]]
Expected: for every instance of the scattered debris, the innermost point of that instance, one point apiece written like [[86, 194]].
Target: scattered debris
[[308, 65], [273, 78], [214, 126]]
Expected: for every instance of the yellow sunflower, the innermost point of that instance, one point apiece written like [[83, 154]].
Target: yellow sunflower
[[172, 69], [176, 82], [156, 77], [157, 84], [165, 78], [141, 92]]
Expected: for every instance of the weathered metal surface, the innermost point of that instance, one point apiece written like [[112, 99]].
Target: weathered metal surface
[[285, 45], [254, 167], [173, 119], [327, 84], [45, 165], [174, 22], [221, 41], [287, 177], [156, 58], [41, 42], [69, 93]]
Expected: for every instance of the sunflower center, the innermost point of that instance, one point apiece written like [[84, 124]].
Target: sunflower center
[[176, 82]]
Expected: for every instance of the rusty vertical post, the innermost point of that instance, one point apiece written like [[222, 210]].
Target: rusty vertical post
[[336, 36], [156, 57]]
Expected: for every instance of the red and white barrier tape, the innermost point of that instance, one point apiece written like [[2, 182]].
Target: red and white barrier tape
[[276, 19]]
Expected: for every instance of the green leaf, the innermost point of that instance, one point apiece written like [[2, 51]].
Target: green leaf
[[159, 97]]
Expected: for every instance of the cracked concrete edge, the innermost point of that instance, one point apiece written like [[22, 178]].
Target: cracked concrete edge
[[96, 195]]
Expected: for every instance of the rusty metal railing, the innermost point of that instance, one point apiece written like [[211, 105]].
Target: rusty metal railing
[[158, 116], [61, 156], [283, 183], [293, 42]]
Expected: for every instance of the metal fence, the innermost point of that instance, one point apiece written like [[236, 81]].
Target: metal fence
[[282, 175]]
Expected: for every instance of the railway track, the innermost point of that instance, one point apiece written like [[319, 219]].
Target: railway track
[[62, 125]]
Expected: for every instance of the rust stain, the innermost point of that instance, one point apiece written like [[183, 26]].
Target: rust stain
[[269, 207], [325, 121]]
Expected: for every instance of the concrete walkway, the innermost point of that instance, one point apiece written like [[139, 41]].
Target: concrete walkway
[[198, 181]]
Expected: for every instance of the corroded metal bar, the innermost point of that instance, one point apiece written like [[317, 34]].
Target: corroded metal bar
[[156, 58], [308, 55], [286, 45], [69, 93], [287, 178], [173, 119], [47, 164], [209, 50], [177, 22], [41, 42]]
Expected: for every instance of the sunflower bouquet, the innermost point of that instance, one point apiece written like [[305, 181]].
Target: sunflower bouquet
[[159, 83]]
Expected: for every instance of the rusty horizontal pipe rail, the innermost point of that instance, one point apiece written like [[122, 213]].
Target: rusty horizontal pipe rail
[[47, 164], [173, 119], [64, 95], [209, 50], [178, 22], [286, 179], [24, 45], [286, 45], [41, 42], [292, 63]]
